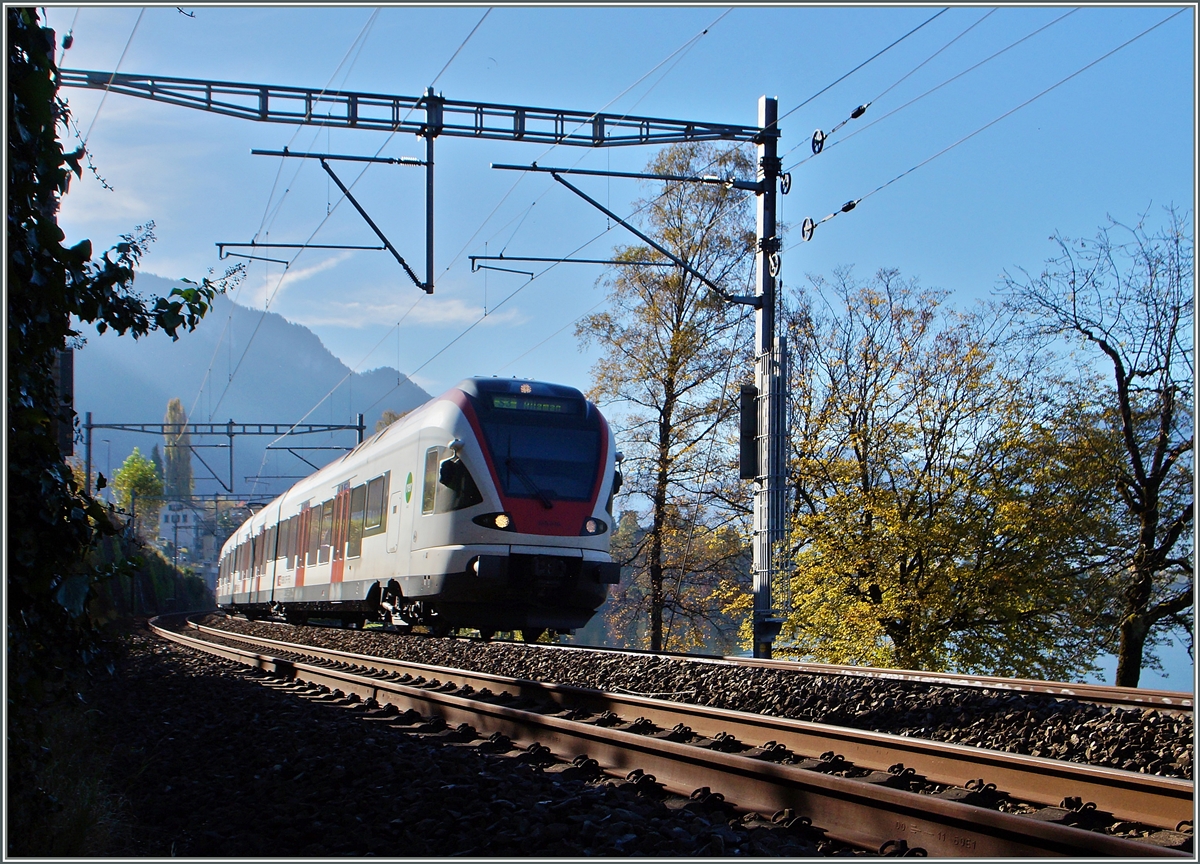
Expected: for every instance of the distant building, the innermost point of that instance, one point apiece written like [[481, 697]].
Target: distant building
[[184, 526]]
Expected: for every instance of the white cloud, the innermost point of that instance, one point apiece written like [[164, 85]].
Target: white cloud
[[274, 287], [429, 310]]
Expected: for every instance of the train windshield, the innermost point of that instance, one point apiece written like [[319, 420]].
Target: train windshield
[[548, 460]]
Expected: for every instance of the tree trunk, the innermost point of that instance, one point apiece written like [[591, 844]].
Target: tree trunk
[[1134, 629], [659, 525]]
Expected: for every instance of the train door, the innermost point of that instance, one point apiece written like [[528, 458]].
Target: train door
[[424, 492], [341, 524], [395, 508]]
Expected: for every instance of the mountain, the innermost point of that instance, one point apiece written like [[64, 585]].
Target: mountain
[[285, 372]]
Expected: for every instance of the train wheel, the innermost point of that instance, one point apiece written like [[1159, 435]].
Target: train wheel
[[486, 634], [299, 619], [532, 634], [354, 622], [440, 630]]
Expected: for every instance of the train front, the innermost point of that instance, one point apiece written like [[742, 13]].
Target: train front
[[537, 473]]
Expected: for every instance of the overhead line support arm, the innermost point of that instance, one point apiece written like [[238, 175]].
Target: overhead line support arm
[[679, 262]]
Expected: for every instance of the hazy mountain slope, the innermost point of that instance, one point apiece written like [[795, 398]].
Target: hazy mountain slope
[[285, 372]]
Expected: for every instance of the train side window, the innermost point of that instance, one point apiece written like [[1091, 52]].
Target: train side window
[[285, 541], [314, 536], [358, 506], [376, 519], [293, 525], [429, 490], [326, 531], [456, 487]]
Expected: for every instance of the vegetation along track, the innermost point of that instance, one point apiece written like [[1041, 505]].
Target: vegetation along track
[[865, 789]]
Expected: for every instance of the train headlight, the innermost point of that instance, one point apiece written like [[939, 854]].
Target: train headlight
[[499, 521], [594, 526]]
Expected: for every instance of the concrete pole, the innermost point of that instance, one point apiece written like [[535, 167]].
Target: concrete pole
[[768, 498]]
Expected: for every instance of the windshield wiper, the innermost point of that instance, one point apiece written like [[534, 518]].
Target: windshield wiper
[[533, 487]]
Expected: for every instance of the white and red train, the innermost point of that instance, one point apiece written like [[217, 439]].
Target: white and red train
[[488, 507]]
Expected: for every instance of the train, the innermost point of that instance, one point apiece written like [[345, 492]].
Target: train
[[487, 508]]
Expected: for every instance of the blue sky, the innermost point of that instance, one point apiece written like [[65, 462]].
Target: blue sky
[[1116, 139]]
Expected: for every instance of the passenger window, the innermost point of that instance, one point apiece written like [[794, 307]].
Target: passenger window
[[358, 504], [314, 535], [326, 531], [429, 490], [376, 519]]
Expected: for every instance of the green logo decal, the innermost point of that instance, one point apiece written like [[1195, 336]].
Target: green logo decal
[[408, 488]]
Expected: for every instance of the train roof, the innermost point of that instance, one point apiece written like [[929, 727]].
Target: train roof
[[476, 386]]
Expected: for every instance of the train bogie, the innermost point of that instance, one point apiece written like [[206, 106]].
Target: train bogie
[[485, 508]]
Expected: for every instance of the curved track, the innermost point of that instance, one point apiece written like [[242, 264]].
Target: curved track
[[854, 793], [1100, 694]]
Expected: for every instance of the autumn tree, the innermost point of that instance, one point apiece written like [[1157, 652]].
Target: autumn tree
[[139, 492], [671, 355], [387, 419], [1125, 301], [177, 467], [936, 519]]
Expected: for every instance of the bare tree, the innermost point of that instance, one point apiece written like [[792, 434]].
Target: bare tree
[[1127, 297]]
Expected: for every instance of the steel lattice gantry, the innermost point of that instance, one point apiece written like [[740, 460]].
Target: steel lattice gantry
[[388, 113]]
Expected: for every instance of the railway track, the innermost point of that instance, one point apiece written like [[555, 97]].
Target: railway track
[[860, 788], [1100, 694]]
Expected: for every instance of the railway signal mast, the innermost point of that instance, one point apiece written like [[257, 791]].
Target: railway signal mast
[[457, 118]]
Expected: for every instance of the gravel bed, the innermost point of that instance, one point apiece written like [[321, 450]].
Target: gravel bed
[[1144, 740], [211, 758]]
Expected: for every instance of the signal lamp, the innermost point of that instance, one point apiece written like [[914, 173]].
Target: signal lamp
[[499, 521]]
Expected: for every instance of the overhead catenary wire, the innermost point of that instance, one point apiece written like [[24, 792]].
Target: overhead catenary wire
[[395, 328], [858, 112], [877, 54], [638, 210], [327, 217], [321, 224], [685, 47], [850, 205], [934, 89], [111, 77], [359, 41]]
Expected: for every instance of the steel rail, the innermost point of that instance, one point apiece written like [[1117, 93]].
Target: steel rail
[[1130, 697], [1146, 798], [857, 813], [1100, 693]]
